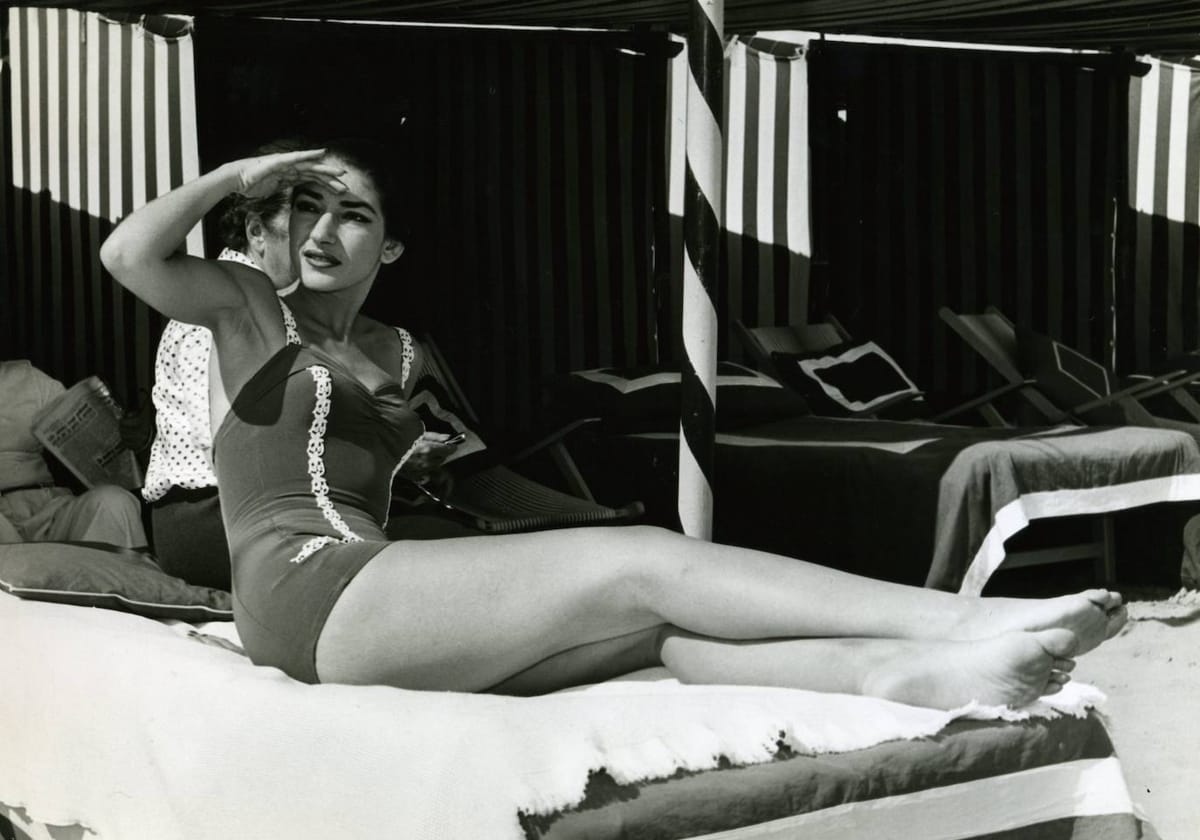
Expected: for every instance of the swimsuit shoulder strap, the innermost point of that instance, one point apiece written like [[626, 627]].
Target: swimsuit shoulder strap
[[289, 323]]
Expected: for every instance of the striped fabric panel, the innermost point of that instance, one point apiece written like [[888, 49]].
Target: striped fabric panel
[[1088, 795], [1158, 307], [965, 179], [100, 124], [766, 250], [940, 177]]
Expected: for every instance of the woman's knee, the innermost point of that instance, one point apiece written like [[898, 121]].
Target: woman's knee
[[652, 562]]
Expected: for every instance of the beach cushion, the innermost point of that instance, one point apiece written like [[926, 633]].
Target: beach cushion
[[106, 576], [854, 377], [641, 399]]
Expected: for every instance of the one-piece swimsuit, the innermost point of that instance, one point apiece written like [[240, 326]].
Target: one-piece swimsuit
[[305, 460]]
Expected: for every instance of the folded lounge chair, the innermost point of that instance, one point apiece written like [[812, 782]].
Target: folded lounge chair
[[1061, 384]]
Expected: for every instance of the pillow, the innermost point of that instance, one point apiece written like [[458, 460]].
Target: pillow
[[854, 377], [1067, 377], [647, 398], [107, 576]]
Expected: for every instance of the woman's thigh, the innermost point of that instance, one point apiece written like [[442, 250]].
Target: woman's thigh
[[466, 614]]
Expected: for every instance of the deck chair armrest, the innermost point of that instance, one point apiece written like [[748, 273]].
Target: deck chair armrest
[[549, 439], [1139, 390], [980, 401], [1151, 386]]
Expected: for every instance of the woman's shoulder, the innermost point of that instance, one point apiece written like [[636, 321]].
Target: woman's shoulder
[[372, 331]]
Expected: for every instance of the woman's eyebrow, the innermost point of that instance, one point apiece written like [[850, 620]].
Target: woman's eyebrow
[[344, 203], [352, 204]]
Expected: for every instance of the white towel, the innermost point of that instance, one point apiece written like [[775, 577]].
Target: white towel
[[126, 726]]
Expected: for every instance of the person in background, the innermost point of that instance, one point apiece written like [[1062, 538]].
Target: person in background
[[180, 485], [32, 507]]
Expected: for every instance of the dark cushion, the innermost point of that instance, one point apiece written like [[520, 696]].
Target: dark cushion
[[98, 575], [1067, 377], [855, 377], [647, 398]]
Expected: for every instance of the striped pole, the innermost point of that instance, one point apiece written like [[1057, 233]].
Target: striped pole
[[702, 228]]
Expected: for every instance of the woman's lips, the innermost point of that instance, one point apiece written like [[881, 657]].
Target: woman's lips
[[320, 259]]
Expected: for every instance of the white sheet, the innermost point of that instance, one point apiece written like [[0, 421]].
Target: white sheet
[[130, 728]]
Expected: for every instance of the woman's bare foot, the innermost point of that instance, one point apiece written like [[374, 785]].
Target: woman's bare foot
[[1012, 669], [1093, 616]]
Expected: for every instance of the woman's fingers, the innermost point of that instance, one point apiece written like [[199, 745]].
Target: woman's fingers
[[263, 175]]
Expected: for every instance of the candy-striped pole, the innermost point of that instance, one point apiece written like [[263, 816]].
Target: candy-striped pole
[[702, 211]]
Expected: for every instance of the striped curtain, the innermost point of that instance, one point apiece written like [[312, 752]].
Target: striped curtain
[[102, 119], [542, 233], [966, 179], [1158, 313], [766, 250]]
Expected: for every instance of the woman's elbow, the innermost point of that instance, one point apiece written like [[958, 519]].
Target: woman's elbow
[[114, 255], [121, 257]]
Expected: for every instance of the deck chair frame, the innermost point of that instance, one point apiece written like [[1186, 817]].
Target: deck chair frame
[[993, 336], [498, 499]]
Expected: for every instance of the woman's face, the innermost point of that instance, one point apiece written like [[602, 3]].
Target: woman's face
[[338, 239]]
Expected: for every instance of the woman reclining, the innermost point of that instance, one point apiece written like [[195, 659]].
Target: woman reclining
[[306, 454]]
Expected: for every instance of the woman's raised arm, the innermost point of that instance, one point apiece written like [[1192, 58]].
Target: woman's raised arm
[[142, 253]]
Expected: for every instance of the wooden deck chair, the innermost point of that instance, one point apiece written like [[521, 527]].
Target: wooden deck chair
[[1073, 387], [763, 342], [497, 498]]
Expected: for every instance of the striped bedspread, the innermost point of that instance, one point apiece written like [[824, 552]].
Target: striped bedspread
[[1039, 779]]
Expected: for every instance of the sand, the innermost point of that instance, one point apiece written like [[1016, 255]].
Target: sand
[[1151, 674]]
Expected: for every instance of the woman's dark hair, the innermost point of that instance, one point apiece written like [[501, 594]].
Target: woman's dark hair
[[385, 164], [235, 208]]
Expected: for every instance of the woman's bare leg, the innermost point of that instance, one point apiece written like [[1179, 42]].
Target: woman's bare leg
[[1013, 668], [594, 662], [449, 615]]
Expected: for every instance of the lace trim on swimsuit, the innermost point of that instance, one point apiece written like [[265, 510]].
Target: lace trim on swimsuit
[[316, 468], [289, 324], [396, 469], [408, 354]]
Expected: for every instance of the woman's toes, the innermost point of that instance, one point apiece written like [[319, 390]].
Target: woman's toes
[[1116, 619], [1103, 598], [1059, 642], [1064, 665]]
